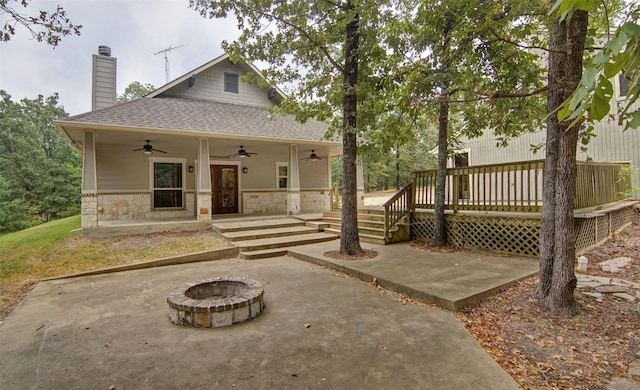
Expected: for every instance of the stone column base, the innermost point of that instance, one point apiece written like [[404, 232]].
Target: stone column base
[[88, 211], [293, 203], [203, 206]]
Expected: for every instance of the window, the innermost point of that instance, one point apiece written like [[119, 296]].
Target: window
[[167, 183], [624, 82], [281, 174], [230, 82]]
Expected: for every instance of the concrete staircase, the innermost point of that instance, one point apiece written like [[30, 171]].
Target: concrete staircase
[[269, 237], [370, 224]]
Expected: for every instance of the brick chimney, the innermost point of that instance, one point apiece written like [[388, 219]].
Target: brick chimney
[[103, 92]]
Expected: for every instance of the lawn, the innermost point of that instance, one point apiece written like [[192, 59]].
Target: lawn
[[58, 248]]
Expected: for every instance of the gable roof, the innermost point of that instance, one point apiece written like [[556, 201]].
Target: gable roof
[[203, 68], [196, 117]]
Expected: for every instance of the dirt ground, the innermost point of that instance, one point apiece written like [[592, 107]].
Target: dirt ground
[[544, 351]]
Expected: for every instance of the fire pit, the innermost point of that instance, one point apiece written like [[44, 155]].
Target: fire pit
[[217, 302]]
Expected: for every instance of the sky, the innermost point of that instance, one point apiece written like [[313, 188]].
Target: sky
[[133, 29]]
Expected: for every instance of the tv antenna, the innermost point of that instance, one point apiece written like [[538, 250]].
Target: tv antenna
[[166, 60]]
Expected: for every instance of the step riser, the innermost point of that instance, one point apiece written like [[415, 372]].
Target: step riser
[[223, 230], [286, 244], [266, 234]]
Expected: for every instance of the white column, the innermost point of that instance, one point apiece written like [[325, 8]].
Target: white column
[[203, 182], [89, 193], [293, 182]]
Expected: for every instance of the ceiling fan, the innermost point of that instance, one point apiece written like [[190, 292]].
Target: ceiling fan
[[148, 148], [312, 157], [242, 153]]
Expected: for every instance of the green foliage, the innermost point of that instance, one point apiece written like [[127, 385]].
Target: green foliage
[[627, 175], [135, 90], [40, 174], [45, 26], [620, 55]]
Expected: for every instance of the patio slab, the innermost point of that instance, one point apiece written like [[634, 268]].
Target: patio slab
[[318, 330], [451, 280]]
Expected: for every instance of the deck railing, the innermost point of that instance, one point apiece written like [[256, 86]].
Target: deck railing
[[517, 187], [397, 207]]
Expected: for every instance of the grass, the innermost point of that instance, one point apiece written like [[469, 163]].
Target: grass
[[58, 248]]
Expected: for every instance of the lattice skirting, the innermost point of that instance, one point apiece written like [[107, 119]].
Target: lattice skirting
[[596, 230], [502, 234], [517, 235]]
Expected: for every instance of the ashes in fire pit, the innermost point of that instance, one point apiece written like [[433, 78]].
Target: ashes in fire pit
[[217, 302]]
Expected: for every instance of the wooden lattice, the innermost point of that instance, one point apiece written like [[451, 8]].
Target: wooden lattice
[[501, 234], [585, 234], [621, 218], [517, 235]]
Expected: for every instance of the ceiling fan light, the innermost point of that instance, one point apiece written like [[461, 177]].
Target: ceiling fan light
[[148, 152]]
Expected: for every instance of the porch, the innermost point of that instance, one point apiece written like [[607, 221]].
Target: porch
[[498, 207]]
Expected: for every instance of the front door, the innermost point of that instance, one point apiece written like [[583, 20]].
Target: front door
[[224, 179]]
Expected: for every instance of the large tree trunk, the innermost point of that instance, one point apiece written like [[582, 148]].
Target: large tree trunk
[[566, 72], [440, 231], [555, 97], [349, 238]]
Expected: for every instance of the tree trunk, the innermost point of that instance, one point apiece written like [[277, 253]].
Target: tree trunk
[[555, 97], [440, 231], [567, 73], [349, 238], [398, 169]]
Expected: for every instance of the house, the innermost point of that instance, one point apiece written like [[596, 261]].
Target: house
[[610, 144], [201, 146]]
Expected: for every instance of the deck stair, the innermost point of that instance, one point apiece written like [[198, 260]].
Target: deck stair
[[269, 237], [370, 225]]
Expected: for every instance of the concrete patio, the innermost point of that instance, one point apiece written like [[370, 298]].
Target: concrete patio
[[319, 329]]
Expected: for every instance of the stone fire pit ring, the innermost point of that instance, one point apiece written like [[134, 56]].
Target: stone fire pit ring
[[217, 302]]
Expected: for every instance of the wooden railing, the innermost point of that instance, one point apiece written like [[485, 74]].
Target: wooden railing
[[600, 183], [397, 207], [517, 187]]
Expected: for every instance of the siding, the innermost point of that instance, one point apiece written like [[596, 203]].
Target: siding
[[104, 82], [209, 85]]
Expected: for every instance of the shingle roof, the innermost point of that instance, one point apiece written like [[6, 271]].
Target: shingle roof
[[201, 116]]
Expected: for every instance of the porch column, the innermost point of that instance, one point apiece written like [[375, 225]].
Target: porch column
[[293, 182], [359, 182], [203, 182], [89, 192]]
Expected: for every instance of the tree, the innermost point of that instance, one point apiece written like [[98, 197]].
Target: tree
[[40, 174], [135, 90], [619, 55], [316, 51], [463, 59], [46, 26]]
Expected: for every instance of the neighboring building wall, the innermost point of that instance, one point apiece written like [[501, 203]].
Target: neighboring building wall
[[209, 85]]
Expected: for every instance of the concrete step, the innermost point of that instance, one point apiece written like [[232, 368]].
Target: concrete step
[[370, 238], [361, 216], [243, 235], [240, 225], [361, 223], [361, 230], [318, 225], [282, 242], [267, 253]]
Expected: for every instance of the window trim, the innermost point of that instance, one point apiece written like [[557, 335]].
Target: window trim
[[278, 177], [183, 161], [228, 87]]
